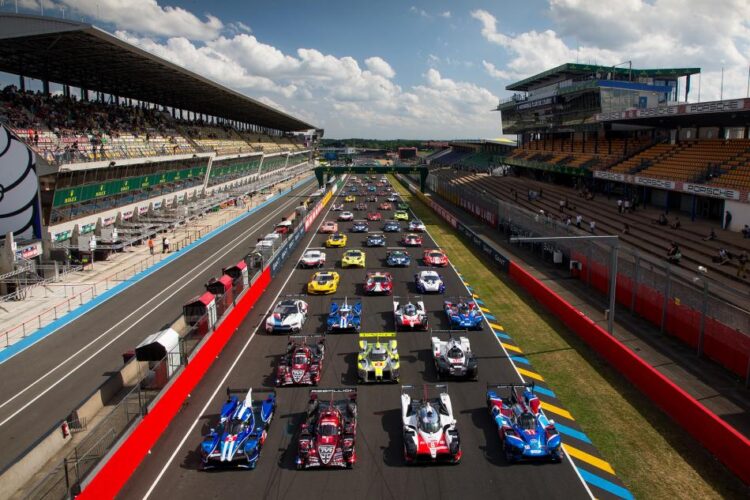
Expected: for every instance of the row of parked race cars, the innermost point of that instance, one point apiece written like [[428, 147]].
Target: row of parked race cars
[[327, 435]]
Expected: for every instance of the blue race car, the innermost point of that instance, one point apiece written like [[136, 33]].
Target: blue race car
[[344, 317], [525, 432], [359, 227], [241, 431], [398, 258], [463, 315], [375, 240], [391, 226]]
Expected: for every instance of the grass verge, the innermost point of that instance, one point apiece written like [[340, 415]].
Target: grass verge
[[652, 456]]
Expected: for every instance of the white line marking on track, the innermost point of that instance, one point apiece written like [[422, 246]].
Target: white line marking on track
[[213, 258], [223, 381]]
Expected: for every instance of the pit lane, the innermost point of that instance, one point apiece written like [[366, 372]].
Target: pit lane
[[249, 360]]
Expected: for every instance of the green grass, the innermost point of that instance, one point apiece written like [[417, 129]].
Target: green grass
[[651, 455]]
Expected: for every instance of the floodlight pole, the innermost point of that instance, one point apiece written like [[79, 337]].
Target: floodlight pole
[[614, 242]]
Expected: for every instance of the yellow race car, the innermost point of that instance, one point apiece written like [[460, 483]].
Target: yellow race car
[[378, 359], [336, 240], [401, 215], [353, 258], [323, 282], [350, 198]]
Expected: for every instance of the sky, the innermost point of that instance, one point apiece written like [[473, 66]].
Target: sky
[[418, 69]]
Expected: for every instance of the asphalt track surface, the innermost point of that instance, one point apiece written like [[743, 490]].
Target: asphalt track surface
[[44, 383], [172, 470]]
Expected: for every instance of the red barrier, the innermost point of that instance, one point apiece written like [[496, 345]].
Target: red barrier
[[728, 445], [114, 474], [727, 346]]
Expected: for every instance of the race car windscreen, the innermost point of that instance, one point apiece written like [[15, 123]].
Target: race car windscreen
[[378, 356], [300, 358], [328, 429], [429, 421], [236, 427], [379, 279]]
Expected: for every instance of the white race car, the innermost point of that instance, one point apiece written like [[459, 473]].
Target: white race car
[[429, 282], [453, 358], [417, 226], [288, 316], [410, 315], [430, 433], [337, 207], [313, 258]]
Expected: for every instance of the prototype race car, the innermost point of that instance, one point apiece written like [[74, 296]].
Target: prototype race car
[[344, 316], [337, 207], [378, 359], [429, 282], [374, 216], [453, 358], [372, 188], [430, 433], [401, 215], [463, 315], [241, 431], [375, 240], [524, 430], [392, 198], [337, 240], [350, 198], [411, 240], [323, 282], [379, 283], [391, 226], [435, 258], [329, 227], [417, 226], [302, 362], [372, 199], [359, 226], [327, 436], [313, 258], [360, 206], [346, 216], [353, 258], [288, 316], [398, 258], [385, 206], [410, 315]]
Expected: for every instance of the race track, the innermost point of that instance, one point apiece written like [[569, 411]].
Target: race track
[[172, 470]]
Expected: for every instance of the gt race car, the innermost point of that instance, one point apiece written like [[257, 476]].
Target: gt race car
[[454, 358], [239, 435], [346, 216], [402, 206], [328, 435], [525, 432], [302, 362], [313, 258], [360, 206], [463, 314], [359, 226], [401, 215], [417, 226], [435, 258], [344, 316], [374, 216], [429, 282], [378, 283], [323, 282], [385, 206], [429, 427], [337, 240], [409, 315], [378, 359], [288, 316], [411, 240], [337, 207], [398, 258], [350, 198], [375, 240], [391, 226], [353, 258], [329, 227]]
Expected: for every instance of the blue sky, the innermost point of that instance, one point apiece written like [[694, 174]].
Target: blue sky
[[418, 69]]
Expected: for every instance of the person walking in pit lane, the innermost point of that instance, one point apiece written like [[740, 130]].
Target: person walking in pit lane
[[150, 245]]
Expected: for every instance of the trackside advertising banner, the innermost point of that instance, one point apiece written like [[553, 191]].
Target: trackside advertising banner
[[286, 250], [318, 208], [498, 258]]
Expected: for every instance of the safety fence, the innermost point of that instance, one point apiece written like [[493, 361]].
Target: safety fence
[[689, 306], [157, 379], [716, 435]]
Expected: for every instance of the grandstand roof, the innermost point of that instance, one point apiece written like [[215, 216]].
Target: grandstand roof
[[81, 55], [554, 74]]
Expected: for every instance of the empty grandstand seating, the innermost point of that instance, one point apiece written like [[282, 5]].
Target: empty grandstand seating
[[566, 152]]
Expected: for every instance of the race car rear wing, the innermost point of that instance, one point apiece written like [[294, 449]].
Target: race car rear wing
[[442, 388], [245, 390], [345, 392], [396, 248], [306, 339], [378, 335]]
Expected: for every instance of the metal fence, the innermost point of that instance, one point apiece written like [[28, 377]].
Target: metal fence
[[700, 311]]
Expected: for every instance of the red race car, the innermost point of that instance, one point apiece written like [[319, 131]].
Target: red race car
[[385, 206], [302, 362], [379, 283], [435, 258], [329, 227], [327, 436], [374, 216], [412, 240]]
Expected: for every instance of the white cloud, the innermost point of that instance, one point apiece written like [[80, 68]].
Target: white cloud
[[494, 72], [655, 34], [380, 67], [446, 14], [420, 12]]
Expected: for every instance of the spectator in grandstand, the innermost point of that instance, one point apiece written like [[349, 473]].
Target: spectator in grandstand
[[676, 224], [662, 220], [746, 231], [164, 245], [568, 221], [626, 207], [626, 229], [711, 236], [742, 268], [579, 220], [619, 206], [723, 257], [728, 220], [562, 205], [592, 226], [673, 254]]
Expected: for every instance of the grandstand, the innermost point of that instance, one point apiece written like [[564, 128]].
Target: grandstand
[[138, 135]]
